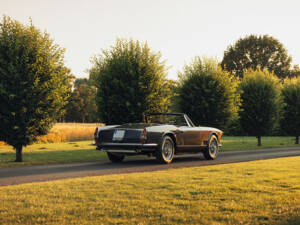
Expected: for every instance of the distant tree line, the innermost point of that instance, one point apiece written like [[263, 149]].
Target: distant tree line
[[81, 105], [254, 90]]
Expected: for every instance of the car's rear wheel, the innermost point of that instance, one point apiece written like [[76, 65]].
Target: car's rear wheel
[[167, 150], [115, 157], [212, 150]]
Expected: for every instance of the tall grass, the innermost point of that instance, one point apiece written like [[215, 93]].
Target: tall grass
[[62, 132], [69, 132]]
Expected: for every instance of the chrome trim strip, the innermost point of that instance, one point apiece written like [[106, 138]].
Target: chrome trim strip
[[119, 151], [150, 145], [130, 144], [186, 120]]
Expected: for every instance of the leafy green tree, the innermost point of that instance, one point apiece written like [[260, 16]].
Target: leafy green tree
[[80, 81], [255, 52], [295, 72], [130, 81], [207, 93], [34, 84], [82, 103], [290, 121], [260, 96]]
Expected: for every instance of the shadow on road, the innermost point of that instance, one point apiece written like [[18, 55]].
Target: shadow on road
[[93, 166]]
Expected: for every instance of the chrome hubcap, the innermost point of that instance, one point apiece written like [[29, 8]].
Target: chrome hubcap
[[168, 150], [213, 148]]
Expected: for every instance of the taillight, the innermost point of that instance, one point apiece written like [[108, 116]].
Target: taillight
[[96, 135], [144, 136]]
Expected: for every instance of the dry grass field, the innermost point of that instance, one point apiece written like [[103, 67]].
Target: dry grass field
[[62, 132], [69, 132]]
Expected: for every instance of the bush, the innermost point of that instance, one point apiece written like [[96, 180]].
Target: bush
[[130, 81], [207, 94], [290, 121], [260, 96]]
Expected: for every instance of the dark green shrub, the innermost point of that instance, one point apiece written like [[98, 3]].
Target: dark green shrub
[[290, 121], [260, 97], [207, 94], [130, 80]]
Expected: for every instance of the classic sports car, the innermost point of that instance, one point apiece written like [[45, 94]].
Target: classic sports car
[[162, 135]]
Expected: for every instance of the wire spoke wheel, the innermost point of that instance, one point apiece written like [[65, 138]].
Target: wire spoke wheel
[[167, 151], [212, 150]]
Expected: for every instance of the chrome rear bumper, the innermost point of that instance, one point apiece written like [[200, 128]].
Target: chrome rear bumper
[[127, 147]]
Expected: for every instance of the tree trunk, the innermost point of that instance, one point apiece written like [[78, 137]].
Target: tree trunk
[[19, 154], [258, 140], [297, 140]]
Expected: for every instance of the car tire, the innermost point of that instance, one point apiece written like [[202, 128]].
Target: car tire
[[212, 150], [167, 151], [115, 158]]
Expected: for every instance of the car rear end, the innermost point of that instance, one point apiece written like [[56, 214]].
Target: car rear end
[[124, 140]]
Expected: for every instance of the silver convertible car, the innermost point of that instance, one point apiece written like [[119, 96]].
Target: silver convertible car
[[162, 135]]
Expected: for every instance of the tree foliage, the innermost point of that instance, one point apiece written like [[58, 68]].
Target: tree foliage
[[254, 52], [260, 96], [207, 93], [130, 81], [290, 121], [82, 103], [34, 83]]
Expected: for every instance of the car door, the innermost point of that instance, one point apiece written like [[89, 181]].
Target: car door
[[191, 136]]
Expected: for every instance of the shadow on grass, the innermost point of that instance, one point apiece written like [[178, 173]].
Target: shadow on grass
[[293, 220]]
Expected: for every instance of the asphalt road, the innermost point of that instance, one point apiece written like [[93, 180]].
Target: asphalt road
[[29, 174]]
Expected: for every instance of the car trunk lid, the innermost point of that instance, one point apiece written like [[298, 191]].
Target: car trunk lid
[[121, 135]]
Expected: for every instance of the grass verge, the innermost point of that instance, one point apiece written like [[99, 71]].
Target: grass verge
[[52, 153], [249, 143], [260, 192]]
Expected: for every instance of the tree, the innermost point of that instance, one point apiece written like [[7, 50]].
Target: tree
[[82, 103], [207, 93], [34, 84], [80, 81], [295, 72], [290, 121], [264, 52], [130, 81], [260, 96]]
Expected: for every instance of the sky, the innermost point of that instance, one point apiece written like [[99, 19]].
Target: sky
[[178, 29]]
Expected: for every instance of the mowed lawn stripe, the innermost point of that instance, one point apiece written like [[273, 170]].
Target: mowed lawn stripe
[[259, 192]]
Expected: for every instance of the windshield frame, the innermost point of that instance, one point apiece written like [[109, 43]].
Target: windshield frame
[[186, 118]]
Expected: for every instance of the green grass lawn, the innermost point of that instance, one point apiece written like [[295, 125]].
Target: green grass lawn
[[52, 153], [247, 143], [259, 192], [84, 151]]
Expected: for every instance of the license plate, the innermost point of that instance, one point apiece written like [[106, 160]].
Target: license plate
[[118, 135]]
